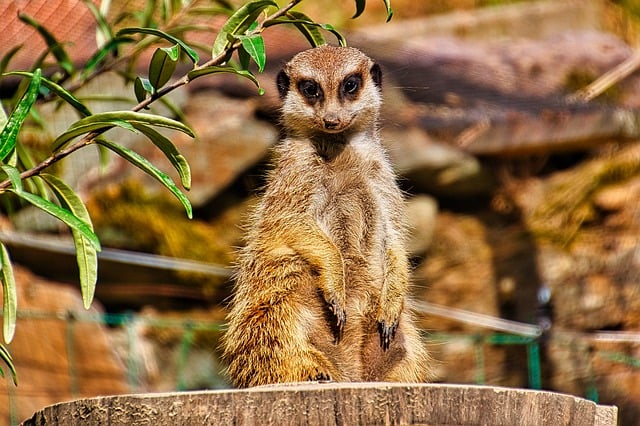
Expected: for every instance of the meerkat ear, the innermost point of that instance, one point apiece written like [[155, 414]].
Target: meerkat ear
[[376, 75], [283, 83]]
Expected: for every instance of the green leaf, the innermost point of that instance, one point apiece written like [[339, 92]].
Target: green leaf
[[304, 24], [211, 11], [86, 127], [103, 30], [170, 151], [9, 296], [9, 132], [24, 157], [243, 58], [327, 27], [111, 46], [4, 63], [152, 31], [254, 46], [387, 5], [142, 87], [56, 48], [71, 220], [86, 254], [14, 176], [3, 117], [58, 90], [6, 357], [238, 23], [225, 69], [163, 64], [124, 119], [143, 164], [360, 4], [311, 32]]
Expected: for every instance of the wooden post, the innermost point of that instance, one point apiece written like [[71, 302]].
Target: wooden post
[[334, 404]]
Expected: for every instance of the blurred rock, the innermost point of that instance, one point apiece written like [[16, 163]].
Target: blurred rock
[[458, 271], [509, 96], [56, 357], [434, 167], [616, 197], [421, 211]]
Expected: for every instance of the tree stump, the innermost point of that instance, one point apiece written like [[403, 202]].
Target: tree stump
[[334, 404]]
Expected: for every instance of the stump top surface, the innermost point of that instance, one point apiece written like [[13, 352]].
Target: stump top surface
[[334, 404]]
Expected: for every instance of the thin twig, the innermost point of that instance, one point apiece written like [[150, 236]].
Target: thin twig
[[608, 79]]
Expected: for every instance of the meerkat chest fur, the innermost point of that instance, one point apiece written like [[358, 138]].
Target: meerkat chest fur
[[331, 100]]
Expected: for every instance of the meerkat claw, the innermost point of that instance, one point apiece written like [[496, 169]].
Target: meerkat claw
[[339, 313], [321, 377], [387, 333]]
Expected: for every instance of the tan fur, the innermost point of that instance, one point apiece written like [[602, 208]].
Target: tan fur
[[321, 288]]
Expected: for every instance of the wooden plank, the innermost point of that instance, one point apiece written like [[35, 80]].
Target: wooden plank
[[334, 404]]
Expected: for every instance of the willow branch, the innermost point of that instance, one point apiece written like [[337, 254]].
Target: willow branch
[[89, 138]]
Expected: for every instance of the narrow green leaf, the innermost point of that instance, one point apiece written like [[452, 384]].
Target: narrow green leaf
[[3, 116], [9, 132], [254, 46], [4, 62], [225, 69], [12, 160], [71, 220], [6, 357], [86, 254], [14, 176], [387, 5], [9, 295], [152, 31], [244, 58], [309, 29], [58, 90], [124, 119], [80, 129], [162, 65], [143, 164], [170, 151], [311, 32], [328, 27], [111, 46], [238, 23], [360, 4], [210, 11], [142, 87], [103, 30], [143, 118], [56, 48], [24, 157]]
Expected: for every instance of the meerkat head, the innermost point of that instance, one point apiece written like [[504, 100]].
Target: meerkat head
[[329, 89]]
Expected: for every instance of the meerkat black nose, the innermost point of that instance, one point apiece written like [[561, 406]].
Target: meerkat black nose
[[331, 122]]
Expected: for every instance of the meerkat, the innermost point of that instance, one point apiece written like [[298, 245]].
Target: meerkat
[[321, 285]]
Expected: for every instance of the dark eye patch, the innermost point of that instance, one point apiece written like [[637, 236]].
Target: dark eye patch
[[351, 86], [311, 91]]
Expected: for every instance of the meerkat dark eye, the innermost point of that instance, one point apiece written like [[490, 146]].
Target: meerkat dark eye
[[351, 85], [310, 90]]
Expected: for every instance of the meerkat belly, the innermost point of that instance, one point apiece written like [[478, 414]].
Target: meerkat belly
[[349, 215]]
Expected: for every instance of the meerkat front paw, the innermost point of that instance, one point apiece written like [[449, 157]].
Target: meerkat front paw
[[387, 333]]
